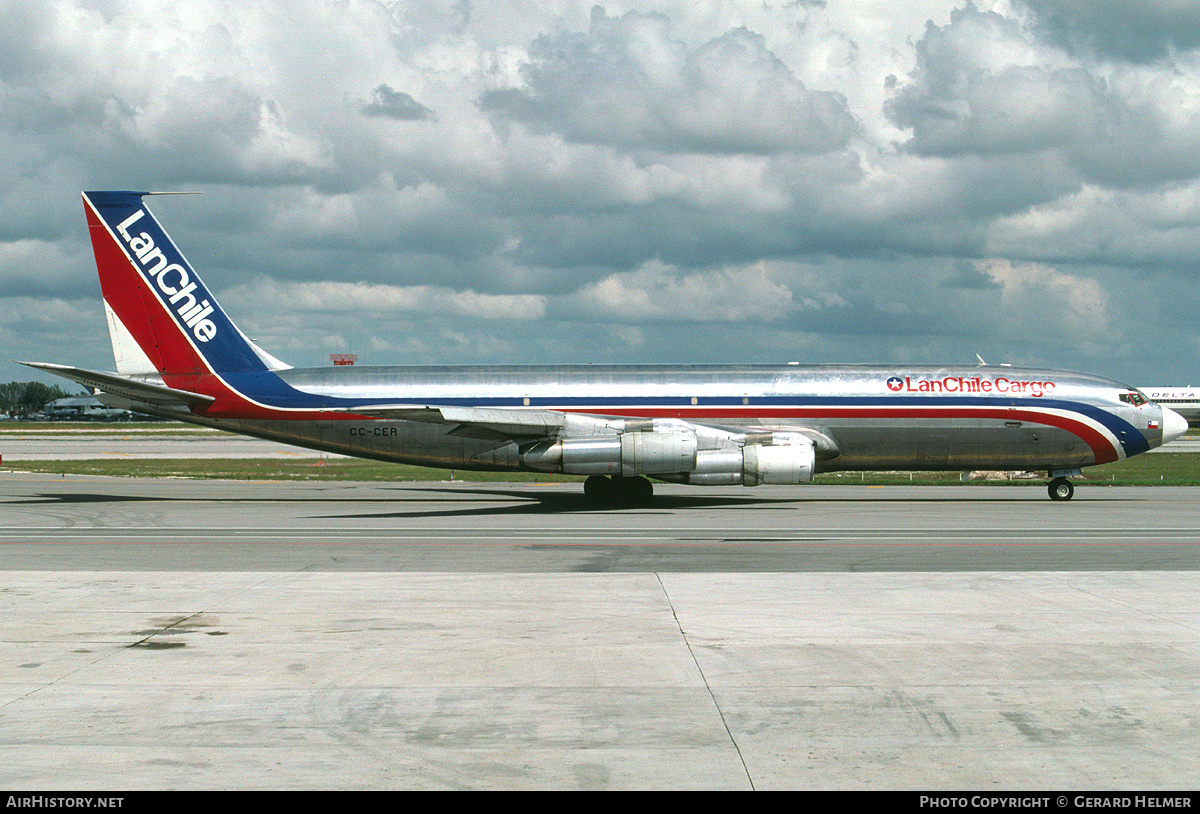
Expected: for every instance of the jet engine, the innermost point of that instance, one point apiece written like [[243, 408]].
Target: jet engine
[[754, 464], [627, 455], [676, 455]]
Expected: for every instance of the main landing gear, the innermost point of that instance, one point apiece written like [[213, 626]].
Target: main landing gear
[[1061, 489], [617, 491]]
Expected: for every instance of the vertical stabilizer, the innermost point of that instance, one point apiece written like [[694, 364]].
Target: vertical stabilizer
[[131, 359], [161, 317]]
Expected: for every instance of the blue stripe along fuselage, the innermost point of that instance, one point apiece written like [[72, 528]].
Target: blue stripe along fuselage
[[271, 391]]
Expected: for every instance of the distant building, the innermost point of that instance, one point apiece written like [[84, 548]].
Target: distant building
[[83, 408]]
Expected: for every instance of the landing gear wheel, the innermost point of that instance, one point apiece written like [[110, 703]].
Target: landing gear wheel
[[599, 489], [635, 491], [1061, 489]]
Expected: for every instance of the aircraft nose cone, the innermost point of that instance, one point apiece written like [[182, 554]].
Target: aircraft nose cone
[[1173, 425]]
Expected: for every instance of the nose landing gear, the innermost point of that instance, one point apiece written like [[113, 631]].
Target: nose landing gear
[[1061, 489]]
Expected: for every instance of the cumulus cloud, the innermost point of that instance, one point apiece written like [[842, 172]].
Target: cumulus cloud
[[395, 104], [336, 298], [970, 276], [988, 84], [556, 182], [1134, 30], [1044, 301], [630, 81], [44, 328], [46, 268], [657, 292], [983, 85]]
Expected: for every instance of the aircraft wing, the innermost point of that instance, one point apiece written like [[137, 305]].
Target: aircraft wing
[[132, 389], [492, 423], [477, 422]]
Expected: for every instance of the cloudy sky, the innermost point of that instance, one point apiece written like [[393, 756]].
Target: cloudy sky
[[768, 180]]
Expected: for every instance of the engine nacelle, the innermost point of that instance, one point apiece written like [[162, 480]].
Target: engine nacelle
[[674, 454], [628, 454], [791, 463], [754, 464]]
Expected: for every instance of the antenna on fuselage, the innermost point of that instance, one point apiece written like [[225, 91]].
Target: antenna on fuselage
[[985, 364]]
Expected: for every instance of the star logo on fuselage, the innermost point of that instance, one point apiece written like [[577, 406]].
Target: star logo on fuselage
[[895, 383]]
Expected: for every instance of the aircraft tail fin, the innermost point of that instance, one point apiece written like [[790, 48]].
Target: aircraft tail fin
[[161, 317]]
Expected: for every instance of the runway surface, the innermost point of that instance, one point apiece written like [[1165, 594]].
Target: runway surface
[[80, 523], [192, 634], [112, 442]]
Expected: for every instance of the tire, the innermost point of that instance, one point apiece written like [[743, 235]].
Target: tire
[[1061, 489], [640, 491], [599, 489]]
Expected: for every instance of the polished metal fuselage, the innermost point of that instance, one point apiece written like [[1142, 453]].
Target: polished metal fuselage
[[881, 418]]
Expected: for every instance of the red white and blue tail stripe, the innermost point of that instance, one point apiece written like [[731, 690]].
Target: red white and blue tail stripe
[[162, 318]]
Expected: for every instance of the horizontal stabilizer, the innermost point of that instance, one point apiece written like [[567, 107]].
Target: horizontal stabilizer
[[129, 388]]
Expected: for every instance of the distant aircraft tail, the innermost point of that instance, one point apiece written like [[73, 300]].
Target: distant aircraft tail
[[161, 317]]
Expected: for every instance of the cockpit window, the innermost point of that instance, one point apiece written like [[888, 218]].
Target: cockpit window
[[1133, 397]]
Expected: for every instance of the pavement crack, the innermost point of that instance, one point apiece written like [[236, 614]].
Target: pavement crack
[[704, 678]]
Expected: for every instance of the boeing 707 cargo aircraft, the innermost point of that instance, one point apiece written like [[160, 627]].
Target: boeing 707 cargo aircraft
[[179, 355]]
